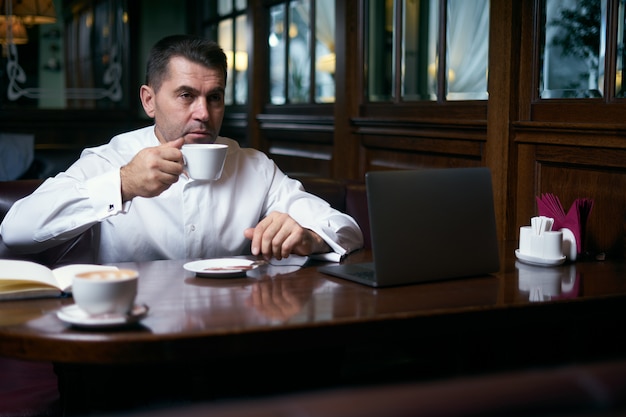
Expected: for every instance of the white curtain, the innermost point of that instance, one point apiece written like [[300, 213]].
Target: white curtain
[[325, 24], [468, 48]]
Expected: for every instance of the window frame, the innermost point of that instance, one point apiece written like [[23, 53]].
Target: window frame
[[440, 110], [311, 102], [607, 109]]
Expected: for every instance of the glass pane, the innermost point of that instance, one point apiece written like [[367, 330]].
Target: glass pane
[[573, 49], [380, 50], [80, 61], [276, 41], [620, 91], [241, 61], [224, 7], [467, 49], [241, 4], [225, 39], [299, 51], [419, 49], [325, 51]]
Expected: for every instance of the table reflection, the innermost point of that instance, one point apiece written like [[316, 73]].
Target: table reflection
[[542, 283], [268, 295]]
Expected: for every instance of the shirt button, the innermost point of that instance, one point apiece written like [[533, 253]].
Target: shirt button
[[192, 228]]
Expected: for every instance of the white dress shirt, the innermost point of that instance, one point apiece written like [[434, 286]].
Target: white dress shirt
[[191, 219]]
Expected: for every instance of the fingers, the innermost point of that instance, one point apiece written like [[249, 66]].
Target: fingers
[[152, 170], [269, 235], [178, 143], [278, 235], [274, 300]]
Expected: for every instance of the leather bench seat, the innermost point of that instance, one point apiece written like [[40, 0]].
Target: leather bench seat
[[77, 250], [28, 389], [596, 389]]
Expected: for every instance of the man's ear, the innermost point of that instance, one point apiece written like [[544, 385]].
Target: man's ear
[[146, 93]]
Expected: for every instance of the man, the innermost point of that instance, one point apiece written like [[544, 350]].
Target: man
[[136, 188]]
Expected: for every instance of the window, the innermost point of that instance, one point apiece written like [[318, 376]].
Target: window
[[577, 55], [432, 50], [582, 49], [302, 52], [226, 22], [573, 48], [78, 59]]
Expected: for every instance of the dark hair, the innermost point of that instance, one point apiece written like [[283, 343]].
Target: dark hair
[[194, 48]]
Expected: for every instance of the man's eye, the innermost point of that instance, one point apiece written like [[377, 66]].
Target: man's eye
[[185, 95]]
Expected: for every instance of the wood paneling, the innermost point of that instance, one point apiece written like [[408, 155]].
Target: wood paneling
[[298, 143], [572, 172], [70, 129], [500, 155], [349, 80], [395, 151]]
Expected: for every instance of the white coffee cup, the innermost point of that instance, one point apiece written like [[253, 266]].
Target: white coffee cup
[[105, 292], [204, 161]]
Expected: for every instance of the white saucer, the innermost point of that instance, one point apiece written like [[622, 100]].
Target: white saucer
[[221, 267], [534, 260], [76, 316]]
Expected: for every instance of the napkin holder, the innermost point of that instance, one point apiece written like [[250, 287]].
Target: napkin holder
[[540, 245]]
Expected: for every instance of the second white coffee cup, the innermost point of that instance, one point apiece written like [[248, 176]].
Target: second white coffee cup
[[204, 161], [105, 292]]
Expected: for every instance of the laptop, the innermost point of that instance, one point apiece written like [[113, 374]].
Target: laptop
[[427, 225]]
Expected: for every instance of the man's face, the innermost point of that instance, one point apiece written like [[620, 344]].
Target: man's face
[[190, 103]]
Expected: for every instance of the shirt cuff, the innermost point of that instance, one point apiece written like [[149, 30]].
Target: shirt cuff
[[338, 251], [328, 256], [105, 194]]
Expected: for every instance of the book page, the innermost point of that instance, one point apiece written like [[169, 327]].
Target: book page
[[63, 275], [12, 272], [27, 289], [26, 279]]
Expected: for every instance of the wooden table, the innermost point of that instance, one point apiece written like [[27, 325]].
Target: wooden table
[[290, 327]]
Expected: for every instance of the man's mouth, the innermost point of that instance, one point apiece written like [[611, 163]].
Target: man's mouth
[[199, 134]]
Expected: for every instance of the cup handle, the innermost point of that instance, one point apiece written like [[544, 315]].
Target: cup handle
[[570, 249], [185, 172]]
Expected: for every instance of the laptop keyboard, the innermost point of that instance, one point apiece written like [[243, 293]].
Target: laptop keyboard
[[366, 275]]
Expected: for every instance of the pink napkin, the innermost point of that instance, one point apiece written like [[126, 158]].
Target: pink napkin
[[575, 220]]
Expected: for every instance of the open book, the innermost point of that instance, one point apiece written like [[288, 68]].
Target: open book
[[25, 279]]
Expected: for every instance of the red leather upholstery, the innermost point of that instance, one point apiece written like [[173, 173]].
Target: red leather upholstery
[[28, 389], [583, 390], [356, 206], [78, 250]]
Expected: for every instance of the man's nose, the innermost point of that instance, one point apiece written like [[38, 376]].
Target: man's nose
[[201, 109]]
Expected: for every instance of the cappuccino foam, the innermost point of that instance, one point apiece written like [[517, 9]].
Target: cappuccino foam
[[108, 275]]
